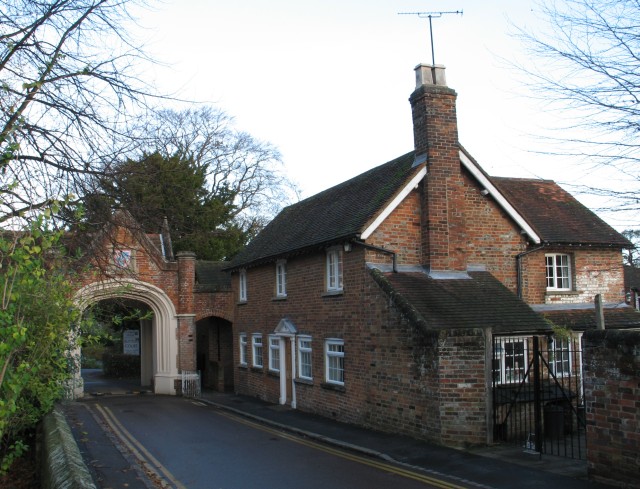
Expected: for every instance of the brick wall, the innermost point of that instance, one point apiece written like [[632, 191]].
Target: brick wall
[[311, 310], [612, 392], [594, 270], [493, 239], [397, 378], [463, 387], [400, 232], [218, 304], [147, 266], [400, 390]]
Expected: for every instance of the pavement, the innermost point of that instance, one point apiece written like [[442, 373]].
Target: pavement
[[487, 467]]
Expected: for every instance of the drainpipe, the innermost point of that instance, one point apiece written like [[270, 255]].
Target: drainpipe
[[381, 250], [519, 267]]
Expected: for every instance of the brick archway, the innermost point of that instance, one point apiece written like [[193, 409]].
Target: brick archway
[[165, 323]]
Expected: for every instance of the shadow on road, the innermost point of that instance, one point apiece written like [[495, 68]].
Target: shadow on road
[[96, 384]]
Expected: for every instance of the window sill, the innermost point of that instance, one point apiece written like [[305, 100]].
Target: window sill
[[333, 387], [241, 303], [279, 298], [304, 381], [562, 292], [273, 373], [257, 369], [243, 366], [333, 293]]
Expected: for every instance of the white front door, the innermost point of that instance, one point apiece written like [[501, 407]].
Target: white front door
[[287, 375]]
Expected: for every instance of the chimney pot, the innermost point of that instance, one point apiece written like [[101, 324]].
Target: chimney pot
[[430, 75]]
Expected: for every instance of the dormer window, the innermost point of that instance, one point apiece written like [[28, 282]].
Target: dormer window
[[558, 271], [281, 278], [334, 270]]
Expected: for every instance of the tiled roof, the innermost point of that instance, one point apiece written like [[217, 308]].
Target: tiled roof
[[582, 319], [556, 215], [479, 302], [210, 276], [336, 214], [342, 212]]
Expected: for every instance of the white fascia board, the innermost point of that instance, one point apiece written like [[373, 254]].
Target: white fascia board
[[394, 203], [502, 202]]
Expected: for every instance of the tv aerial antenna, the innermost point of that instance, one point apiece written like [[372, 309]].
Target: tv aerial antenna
[[430, 16]]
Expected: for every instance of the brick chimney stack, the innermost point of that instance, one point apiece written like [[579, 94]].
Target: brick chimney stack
[[435, 133]]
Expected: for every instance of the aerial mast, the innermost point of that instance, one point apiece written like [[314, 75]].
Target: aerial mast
[[432, 15]]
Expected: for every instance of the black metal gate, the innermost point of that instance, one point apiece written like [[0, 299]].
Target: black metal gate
[[538, 401]]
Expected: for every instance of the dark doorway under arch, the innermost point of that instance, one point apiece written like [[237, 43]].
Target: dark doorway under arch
[[215, 353]]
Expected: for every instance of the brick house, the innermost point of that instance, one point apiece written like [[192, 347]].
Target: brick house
[[410, 298]]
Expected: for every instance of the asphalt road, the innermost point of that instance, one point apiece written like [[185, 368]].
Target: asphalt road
[[174, 442]]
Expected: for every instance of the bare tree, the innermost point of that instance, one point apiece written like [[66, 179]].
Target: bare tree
[[234, 162], [70, 97], [631, 256], [586, 64]]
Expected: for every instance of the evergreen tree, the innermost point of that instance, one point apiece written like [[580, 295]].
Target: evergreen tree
[[156, 187]]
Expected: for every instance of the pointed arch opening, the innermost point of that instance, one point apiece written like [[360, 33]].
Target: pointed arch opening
[[158, 340]]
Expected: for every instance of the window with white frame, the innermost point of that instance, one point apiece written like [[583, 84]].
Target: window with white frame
[[281, 278], [242, 342], [274, 353], [334, 270], [256, 350], [242, 287], [510, 360], [334, 361], [304, 357], [560, 356], [558, 271]]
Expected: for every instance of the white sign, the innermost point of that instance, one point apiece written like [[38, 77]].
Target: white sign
[[131, 342]]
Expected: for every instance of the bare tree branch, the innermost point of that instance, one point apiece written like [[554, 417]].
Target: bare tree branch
[[71, 102], [586, 66]]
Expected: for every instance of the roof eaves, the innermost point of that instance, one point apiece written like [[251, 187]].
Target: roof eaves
[[290, 252], [581, 244]]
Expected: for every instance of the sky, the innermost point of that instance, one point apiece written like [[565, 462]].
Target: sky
[[328, 82]]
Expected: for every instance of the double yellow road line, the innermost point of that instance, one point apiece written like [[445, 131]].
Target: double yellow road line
[[371, 462], [159, 473], [151, 466]]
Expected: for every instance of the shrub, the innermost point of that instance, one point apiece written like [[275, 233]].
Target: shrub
[[36, 336]]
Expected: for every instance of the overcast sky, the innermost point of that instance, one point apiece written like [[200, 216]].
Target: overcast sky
[[328, 81]]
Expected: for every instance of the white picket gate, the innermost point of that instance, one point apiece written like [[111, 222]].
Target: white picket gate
[[191, 383]]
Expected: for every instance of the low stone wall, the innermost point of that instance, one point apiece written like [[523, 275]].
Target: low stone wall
[[62, 463], [612, 393]]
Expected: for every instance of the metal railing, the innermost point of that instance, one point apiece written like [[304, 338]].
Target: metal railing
[[538, 398]]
